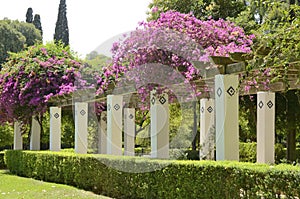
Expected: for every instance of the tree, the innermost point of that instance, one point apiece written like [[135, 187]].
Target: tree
[[201, 9], [37, 23], [29, 16], [14, 35], [61, 28]]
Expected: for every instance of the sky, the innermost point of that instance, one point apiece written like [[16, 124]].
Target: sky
[[93, 24]]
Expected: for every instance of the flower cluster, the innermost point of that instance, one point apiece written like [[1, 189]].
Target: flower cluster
[[175, 40], [31, 77]]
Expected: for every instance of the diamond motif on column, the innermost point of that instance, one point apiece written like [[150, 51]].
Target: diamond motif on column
[[117, 107], [202, 109], [270, 104], [56, 115], [210, 109], [219, 92], [162, 100], [82, 112], [231, 91], [130, 116], [260, 104], [153, 100]]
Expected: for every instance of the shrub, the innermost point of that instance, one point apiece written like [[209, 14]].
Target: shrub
[[175, 179], [2, 163]]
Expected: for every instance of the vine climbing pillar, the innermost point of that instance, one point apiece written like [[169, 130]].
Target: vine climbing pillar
[[114, 124], [265, 127], [227, 110], [55, 128], [207, 129], [81, 127], [159, 111], [129, 131]]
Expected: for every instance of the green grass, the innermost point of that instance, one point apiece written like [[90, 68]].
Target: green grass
[[15, 187]]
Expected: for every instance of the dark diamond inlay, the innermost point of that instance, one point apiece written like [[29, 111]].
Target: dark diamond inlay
[[153, 100], [56, 115], [117, 107], [270, 104], [202, 109], [260, 104], [219, 92], [82, 112], [162, 100], [130, 116], [231, 91], [210, 109]]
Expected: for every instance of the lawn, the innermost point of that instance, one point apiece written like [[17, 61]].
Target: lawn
[[14, 187]]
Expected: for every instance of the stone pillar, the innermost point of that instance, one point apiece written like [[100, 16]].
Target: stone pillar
[[265, 127], [129, 131], [207, 129], [81, 127], [55, 128], [159, 111], [227, 120], [18, 139], [102, 133], [114, 124], [35, 137]]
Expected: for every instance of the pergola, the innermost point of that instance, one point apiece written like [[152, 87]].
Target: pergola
[[218, 110]]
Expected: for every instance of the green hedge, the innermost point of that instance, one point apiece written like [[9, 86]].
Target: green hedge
[[2, 163], [176, 179]]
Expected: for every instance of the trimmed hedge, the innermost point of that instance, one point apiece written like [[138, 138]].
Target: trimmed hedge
[[175, 179], [2, 163]]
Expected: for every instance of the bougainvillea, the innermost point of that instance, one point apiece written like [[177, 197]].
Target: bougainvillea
[[29, 78], [175, 40]]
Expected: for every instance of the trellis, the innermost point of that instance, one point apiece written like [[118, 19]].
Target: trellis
[[218, 110]]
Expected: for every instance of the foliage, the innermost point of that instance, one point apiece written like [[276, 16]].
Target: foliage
[[14, 35], [210, 179], [2, 163], [201, 9], [61, 27], [97, 61], [31, 77], [6, 136]]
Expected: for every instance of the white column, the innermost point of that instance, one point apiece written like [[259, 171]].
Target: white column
[[102, 133], [81, 127], [207, 128], [129, 131], [159, 112], [55, 128], [227, 125], [35, 137], [265, 127], [18, 139], [114, 124]]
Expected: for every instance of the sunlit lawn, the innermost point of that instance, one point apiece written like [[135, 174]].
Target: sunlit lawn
[[14, 187]]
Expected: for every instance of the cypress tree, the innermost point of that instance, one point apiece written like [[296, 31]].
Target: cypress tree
[[61, 28], [37, 23], [29, 16]]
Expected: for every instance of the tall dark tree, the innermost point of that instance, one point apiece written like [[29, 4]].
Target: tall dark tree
[[61, 29], [37, 23], [29, 16]]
